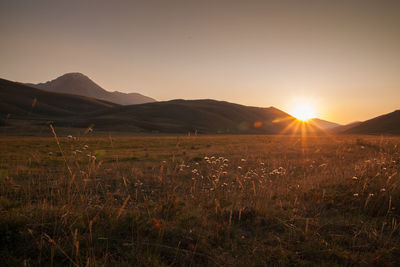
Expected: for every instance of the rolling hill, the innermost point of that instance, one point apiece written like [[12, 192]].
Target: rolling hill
[[79, 84], [385, 124]]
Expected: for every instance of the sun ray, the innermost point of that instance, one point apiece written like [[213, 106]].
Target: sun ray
[[290, 126]]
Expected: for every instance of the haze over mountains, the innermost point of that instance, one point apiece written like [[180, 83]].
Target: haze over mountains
[[323, 124], [79, 84], [21, 102]]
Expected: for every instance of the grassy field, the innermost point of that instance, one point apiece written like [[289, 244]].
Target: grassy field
[[205, 200]]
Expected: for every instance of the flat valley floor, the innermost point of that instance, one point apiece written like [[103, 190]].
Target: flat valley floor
[[200, 200]]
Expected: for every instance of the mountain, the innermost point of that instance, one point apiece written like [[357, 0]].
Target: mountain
[[34, 107], [385, 124], [79, 84], [19, 100], [323, 124], [203, 116]]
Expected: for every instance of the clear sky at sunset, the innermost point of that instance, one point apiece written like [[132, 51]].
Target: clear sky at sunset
[[342, 56]]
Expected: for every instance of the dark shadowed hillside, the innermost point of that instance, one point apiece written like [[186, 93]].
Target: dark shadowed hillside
[[20, 100], [79, 84], [385, 124]]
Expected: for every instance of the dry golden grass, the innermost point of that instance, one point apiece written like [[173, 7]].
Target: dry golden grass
[[206, 200]]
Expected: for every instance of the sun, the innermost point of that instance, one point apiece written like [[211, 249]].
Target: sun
[[303, 111]]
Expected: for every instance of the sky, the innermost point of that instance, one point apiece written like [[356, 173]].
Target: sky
[[343, 57]]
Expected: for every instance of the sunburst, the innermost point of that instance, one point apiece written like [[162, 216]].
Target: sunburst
[[303, 111]]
